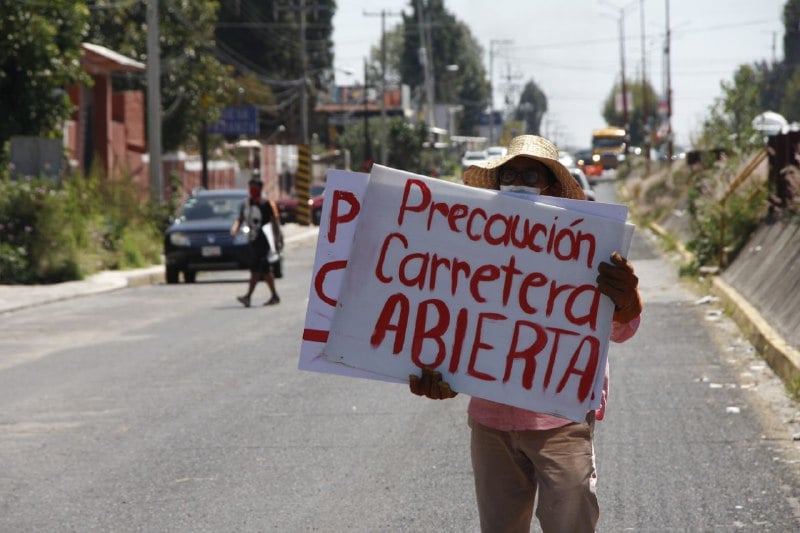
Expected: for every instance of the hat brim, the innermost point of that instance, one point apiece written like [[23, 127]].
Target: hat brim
[[484, 175]]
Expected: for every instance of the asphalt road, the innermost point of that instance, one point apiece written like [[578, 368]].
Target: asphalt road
[[173, 408]]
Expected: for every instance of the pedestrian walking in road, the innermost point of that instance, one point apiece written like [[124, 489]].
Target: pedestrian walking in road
[[259, 217], [519, 455]]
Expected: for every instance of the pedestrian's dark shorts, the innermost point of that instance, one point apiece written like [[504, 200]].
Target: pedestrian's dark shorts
[[258, 257]]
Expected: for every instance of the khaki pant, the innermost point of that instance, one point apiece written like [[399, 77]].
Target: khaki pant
[[510, 467]]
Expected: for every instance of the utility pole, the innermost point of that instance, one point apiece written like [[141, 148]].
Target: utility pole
[[774, 56], [623, 81], [153, 72], [367, 142], [492, 44], [384, 140], [304, 67], [301, 10], [669, 88], [510, 89], [645, 106], [625, 120], [426, 59]]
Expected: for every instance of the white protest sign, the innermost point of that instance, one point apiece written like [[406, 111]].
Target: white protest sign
[[496, 292], [617, 212], [340, 208]]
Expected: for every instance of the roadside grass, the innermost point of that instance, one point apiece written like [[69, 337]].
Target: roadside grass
[[54, 231]]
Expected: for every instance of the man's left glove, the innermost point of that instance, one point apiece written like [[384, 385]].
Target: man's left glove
[[430, 385], [618, 282]]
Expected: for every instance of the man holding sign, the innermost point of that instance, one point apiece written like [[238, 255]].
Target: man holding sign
[[517, 453]]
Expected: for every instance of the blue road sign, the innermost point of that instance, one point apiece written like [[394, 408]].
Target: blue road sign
[[238, 120]]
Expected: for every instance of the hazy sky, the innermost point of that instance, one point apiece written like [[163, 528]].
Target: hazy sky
[[571, 49]]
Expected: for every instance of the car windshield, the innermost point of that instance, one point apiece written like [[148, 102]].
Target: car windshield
[[206, 207], [608, 142], [316, 190]]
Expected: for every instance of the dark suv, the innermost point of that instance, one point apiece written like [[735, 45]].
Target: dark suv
[[199, 237]]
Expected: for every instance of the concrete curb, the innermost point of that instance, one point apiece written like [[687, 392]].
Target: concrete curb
[[771, 346], [16, 297], [774, 349], [155, 274]]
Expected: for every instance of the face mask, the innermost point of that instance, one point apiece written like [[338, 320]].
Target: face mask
[[520, 189]]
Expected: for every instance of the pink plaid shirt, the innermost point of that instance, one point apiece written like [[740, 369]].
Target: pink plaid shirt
[[507, 418]]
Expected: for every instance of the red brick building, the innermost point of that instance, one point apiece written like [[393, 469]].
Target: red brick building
[[107, 130]]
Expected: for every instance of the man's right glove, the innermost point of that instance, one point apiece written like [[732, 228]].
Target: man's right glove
[[618, 282], [430, 385]]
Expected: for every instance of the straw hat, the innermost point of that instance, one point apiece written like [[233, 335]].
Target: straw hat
[[484, 175]]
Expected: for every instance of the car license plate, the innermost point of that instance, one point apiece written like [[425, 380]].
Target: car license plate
[[211, 251]]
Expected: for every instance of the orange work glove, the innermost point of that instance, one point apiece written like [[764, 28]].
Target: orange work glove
[[430, 385], [618, 282]]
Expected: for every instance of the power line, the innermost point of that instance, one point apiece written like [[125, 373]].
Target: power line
[[609, 40]]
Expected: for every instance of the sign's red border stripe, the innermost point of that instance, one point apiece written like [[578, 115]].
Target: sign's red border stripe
[[315, 335]]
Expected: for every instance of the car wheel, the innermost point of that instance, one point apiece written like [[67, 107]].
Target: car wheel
[[171, 274], [316, 216], [189, 276]]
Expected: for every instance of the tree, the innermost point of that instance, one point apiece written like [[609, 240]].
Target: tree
[[40, 47], [774, 80], [791, 36], [261, 38], [636, 117], [532, 107], [451, 43], [729, 124], [790, 106], [405, 145], [353, 139], [394, 50], [194, 84]]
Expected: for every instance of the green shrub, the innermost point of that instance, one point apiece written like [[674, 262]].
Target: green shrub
[[51, 232], [720, 230], [33, 220], [13, 263]]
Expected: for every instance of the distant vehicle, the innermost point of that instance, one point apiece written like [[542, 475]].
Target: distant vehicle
[[495, 152], [580, 177], [315, 203], [677, 153], [472, 157], [610, 144], [566, 158], [287, 207], [199, 237], [589, 163]]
